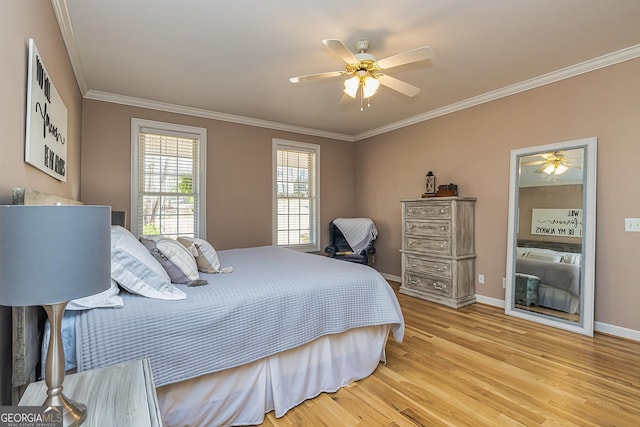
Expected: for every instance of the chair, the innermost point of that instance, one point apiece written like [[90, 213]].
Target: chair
[[339, 247]]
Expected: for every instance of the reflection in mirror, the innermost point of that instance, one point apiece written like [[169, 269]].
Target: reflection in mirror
[[550, 261]]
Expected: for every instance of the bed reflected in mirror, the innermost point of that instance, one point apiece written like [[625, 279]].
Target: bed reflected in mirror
[[551, 230]]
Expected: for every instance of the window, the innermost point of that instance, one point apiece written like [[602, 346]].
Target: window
[[296, 184], [167, 179]]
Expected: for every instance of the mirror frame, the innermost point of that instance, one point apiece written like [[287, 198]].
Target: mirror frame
[[587, 282]]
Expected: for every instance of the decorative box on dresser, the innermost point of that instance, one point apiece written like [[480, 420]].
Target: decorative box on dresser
[[438, 249]]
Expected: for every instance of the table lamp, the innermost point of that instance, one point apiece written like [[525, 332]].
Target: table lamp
[[50, 255]]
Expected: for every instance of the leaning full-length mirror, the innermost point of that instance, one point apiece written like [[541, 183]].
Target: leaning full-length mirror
[[551, 237]]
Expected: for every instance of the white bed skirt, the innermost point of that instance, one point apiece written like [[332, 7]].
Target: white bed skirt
[[558, 299], [243, 395]]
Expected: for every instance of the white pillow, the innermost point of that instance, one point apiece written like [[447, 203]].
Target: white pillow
[[544, 255], [206, 257], [108, 298], [571, 258], [136, 270], [178, 254]]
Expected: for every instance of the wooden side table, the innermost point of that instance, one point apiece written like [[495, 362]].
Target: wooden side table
[[120, 395]]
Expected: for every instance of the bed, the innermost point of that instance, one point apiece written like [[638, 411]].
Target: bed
[[281, 328], [558, 273]]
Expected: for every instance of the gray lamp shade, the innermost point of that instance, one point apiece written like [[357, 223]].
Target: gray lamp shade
[[53, 254]]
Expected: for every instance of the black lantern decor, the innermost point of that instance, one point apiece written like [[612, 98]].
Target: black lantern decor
[[430, 184]]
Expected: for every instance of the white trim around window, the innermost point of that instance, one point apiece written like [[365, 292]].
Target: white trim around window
[[139, 126], [296, 195]]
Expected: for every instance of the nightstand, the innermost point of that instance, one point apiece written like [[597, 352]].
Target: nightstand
[[120, 395]]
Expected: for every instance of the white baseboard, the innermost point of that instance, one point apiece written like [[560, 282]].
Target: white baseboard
[[392, 277], [490, 301], [605, 328], [618, 331]]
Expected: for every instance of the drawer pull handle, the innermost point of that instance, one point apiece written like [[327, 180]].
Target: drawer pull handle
[[441, 269], [439, 287], [443, 228], [443, 210], [442, 246], [410, 242], [414, 282]]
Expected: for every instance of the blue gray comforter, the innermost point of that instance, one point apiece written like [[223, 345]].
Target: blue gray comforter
[[275, 299]]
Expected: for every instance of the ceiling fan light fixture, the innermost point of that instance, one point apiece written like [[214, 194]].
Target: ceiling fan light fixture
[[555, 169], [370, 86], [351, 86]]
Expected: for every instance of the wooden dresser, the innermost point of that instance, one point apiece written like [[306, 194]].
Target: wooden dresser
[[438, 250]]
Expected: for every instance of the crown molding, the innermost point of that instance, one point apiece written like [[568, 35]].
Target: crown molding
[[61, 10], [208, 114], [545, 79]]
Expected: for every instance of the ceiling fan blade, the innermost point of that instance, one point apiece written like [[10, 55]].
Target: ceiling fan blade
[[419, 54], [341, 50], [398, 85], [316, 76], [534, 162], [573, 165]]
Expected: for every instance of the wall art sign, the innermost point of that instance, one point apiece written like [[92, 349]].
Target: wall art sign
[[46, 133], [557, 222]]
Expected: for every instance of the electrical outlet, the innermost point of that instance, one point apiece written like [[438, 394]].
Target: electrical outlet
[[632, 224], [480, 278]]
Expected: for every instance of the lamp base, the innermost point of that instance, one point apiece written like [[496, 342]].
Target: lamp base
[[73, 413]]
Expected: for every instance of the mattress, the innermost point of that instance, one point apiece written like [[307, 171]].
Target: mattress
[[275, 300]]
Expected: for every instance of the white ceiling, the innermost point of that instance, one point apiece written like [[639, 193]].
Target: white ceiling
[[232, 59]]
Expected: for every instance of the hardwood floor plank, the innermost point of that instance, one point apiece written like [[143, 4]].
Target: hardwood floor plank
[[477, 367]]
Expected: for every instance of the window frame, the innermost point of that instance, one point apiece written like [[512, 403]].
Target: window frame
[[278, 144], [199, 187]]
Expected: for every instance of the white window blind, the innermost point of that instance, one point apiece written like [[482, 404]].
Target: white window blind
[[167, 196], [296, 195]]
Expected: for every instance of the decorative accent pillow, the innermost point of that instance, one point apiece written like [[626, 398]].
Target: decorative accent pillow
[[174, 257], [136, 270], [544, 255], [206, 257], [175, 274], [108, 298]]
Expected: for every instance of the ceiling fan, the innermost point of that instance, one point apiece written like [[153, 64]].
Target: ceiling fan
[[366, 70], [555, 163]]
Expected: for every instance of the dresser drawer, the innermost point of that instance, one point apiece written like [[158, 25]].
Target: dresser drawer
[[415, 264], [429, 228], [430, 211], [434, 246], [432, 285]]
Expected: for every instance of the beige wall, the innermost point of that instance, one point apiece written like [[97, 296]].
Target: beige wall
[[34, 19], [238, 171], [30, 19], [472, 148]]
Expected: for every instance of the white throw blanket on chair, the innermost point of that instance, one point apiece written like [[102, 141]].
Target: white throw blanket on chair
[[359, 232]]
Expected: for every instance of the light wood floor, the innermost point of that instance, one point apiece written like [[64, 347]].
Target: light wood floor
[[477, 367]]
